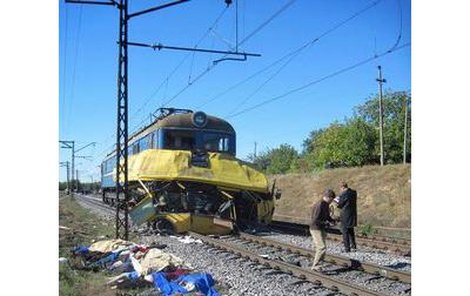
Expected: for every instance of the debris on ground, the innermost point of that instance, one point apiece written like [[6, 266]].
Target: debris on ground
[[134, 265]]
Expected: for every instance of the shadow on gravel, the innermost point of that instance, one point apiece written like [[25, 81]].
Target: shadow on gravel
[[398, 265]]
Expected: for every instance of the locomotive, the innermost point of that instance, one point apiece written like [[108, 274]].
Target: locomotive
[[183, 175]]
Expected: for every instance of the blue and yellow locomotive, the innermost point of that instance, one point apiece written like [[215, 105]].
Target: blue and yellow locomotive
[[183, 175]]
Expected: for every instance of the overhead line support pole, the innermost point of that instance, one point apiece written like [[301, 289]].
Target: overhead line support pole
[[381, 80], [67, 165], [70, 145], [405, 133], [122, 223]]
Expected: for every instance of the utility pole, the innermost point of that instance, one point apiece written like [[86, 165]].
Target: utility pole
[[67, 165], [255, 150], [405, 134], [381, 80], [122, 224], [77, 179], [71, 145]]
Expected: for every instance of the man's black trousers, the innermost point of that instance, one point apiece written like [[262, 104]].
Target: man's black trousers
[[349, 240]]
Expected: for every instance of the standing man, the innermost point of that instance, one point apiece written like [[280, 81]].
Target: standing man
[[320, 220], [347, 204]]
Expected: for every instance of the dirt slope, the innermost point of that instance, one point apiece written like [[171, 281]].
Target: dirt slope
[[384, 193]]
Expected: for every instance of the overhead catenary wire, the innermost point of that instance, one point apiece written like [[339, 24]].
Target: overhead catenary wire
[[209, 68], [333, 74], [180, 64], [297, 52], [213, 65], [290, 56], [74, 70], [267, 21], [64, 70]]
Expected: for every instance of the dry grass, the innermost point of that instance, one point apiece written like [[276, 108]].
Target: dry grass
[[84, 227], [384, 193]]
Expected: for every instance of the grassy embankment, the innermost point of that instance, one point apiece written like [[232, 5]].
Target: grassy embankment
[[84, 227], [384, 193]]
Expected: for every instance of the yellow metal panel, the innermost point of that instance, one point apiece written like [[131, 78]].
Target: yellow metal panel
[[181, 221], [224, 170], [205, 225]]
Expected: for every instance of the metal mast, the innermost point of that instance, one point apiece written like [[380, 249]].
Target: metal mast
[[381, 80], [122, 221]]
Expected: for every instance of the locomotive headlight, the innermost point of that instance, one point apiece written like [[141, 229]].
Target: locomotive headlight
[[199, 119]]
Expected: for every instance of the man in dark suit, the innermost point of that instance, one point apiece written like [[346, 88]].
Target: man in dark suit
[[347, 204]]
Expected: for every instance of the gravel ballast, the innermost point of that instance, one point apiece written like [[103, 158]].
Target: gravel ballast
[[236, 276]]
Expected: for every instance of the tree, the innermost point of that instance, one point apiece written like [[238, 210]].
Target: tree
[[276, 161], [281, 159], [261, 161], [341, 144], [394, 121]]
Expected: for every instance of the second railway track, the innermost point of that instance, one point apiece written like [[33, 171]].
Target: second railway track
[[400, 246], [344, 276]]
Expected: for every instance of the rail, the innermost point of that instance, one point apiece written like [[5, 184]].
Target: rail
[[311, 276]]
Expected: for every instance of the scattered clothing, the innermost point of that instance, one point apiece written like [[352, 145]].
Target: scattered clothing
[[109, 245], [155, 260], [139, 265], [80, 250], [201, 282]]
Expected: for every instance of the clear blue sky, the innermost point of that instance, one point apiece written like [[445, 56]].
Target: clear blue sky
[[88, 66]]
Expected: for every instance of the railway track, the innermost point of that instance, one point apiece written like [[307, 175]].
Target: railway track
[[96, 202], [346, 262], [342, 275], [340, 278], [400, 246]]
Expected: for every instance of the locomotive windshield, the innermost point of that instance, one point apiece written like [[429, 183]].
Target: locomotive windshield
[[190, 139]]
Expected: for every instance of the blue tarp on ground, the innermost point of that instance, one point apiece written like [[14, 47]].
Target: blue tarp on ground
[[202, 281]]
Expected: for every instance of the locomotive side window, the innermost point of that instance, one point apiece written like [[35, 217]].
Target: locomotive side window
[[144, 143], [156, 135], [150, 141], [135, 148]]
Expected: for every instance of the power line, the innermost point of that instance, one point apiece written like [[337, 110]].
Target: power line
[[74, 71], [291, 55], [253, 33], [302, 48], [178, 66], [64, 69], [266, 22], [165, 81], [175, 69], [336, 73]]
